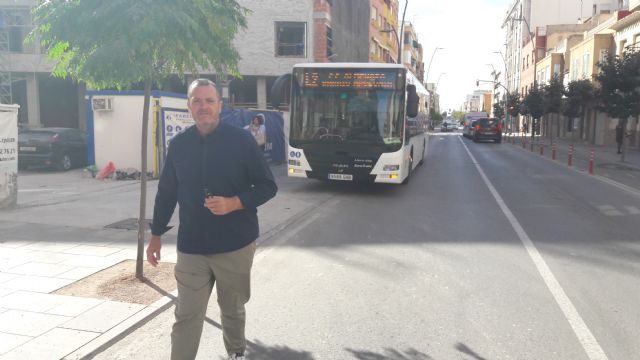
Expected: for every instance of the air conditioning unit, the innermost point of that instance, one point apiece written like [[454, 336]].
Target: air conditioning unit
[[102, 103]]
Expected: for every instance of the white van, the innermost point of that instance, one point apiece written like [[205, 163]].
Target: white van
[[467, 130]]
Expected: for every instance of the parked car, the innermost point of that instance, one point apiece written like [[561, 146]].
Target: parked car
[[487, 129], [60, 148]]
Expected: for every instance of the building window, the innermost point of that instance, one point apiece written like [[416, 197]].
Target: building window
[[290, 39], [604, 53], [586, 60], [329, 42], [623, 43], [374, 13]]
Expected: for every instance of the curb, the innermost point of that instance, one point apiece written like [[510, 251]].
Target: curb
[[113, 335], [619, 185]]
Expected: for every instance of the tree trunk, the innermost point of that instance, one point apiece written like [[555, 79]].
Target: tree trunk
[[594, 120], [624, 138], [142, 223]]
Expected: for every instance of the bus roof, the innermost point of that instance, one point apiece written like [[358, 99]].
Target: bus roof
[[350, 65]]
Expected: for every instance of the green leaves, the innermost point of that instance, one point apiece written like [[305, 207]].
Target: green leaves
[[513, 104], [552, 95], [579, 95], [619, 91], [118, 43], [534, 102]]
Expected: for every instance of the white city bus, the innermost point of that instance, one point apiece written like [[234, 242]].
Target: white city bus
[[356, 122]]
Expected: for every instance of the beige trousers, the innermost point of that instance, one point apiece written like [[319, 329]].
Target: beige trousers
[[196, 276]]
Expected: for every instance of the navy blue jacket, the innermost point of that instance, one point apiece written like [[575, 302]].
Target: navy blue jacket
[[227, 162]]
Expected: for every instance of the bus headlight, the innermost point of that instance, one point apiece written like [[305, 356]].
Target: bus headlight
[[391, 168], [295, 171]]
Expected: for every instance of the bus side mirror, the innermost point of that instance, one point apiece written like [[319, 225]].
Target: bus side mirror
[[280, 90], [412, 101]]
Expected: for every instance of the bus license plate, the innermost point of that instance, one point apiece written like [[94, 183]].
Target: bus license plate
[[343, 177]]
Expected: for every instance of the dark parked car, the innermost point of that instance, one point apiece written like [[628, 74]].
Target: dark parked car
[[448, 126], [60, 148], [487, 129]]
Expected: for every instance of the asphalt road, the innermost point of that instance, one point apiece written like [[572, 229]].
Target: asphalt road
[[489, 252]]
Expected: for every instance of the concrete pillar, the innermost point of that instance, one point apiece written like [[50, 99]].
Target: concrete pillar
[[82, 109], [33, 101], [261, 85]]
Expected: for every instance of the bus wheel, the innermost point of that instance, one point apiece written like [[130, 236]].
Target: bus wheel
[[406, 180]]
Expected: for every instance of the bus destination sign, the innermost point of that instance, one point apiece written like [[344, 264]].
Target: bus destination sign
[[349, 79]]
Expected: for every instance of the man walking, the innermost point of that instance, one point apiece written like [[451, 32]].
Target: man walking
[[218, 176]]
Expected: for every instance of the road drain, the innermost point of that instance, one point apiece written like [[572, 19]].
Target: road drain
[[127, 224]]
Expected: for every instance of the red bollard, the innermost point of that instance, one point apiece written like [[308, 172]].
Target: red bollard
[[591, 156], [570, 160], [541, 149], [553, 151]]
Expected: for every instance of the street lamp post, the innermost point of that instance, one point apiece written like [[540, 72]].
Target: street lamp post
[[398, 37], [506, 79], [435, 89], [426, 78]]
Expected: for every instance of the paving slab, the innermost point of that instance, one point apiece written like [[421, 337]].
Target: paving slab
[[103, 317], [79, 272], [54, 344], [36, 283], [6, 277], [39, 268], [29, 323], [48, 303], [10, 341]]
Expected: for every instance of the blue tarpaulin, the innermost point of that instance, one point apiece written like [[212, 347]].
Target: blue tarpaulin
[[275, 147]]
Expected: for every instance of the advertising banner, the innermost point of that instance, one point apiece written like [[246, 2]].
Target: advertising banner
[[173, 122], [8, 155]]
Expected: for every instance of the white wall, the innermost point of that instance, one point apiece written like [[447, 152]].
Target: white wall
[[117, 133], [256, 45], [552, 12]]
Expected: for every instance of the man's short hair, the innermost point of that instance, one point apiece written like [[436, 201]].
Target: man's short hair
[[198, 83]]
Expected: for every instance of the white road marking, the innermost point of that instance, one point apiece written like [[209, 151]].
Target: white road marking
[[587, 340], [610, 210], [633, 210]]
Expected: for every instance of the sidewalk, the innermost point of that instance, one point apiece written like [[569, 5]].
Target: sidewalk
[[57, 236], [606, 163]]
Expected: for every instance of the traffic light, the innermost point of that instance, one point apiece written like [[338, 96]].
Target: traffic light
[[477, 82]]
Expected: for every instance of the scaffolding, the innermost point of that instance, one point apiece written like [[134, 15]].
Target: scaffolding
[[14, 22]]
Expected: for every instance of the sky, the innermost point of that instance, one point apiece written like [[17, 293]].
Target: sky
[[469, 31]]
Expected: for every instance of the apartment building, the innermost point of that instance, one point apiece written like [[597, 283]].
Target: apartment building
[[383, 31], [412, 52], [25, 74], [524, 17]]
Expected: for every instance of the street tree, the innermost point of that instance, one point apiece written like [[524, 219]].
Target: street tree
[[458, 115], [619, 92], [552, 102], [498, 109], [121, 43], [579, 96], [534, 106], [434, 115]]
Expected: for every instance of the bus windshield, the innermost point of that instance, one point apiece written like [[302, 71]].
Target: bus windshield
[[361, 114]]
